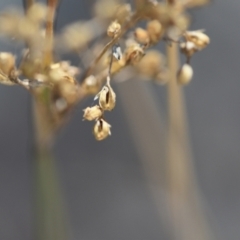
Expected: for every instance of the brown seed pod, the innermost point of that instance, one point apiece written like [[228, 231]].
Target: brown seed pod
[[92, 113], [185, 74], [200, 39], [133, 54], [113, 29], [101, 129], [7, 62], [142, 36], [151, 64], [91, 85], [107, 98], [155, 30], [188, 48]]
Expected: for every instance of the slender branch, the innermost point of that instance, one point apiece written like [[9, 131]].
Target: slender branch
[[98, 58], [128, 25]]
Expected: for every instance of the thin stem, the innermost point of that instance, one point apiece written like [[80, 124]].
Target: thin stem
[[131, 22], [98, 58], [48, 56]]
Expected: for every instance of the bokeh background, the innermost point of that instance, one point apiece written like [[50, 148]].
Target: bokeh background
[[104, 183]]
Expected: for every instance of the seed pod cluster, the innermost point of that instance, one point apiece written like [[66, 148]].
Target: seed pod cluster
[[106, 102], [56, 81], [194, 41], [151, 35]]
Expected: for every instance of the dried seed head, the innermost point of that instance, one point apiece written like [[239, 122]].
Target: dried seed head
[[75, 36], [37, 13], [5, 79], [123, 13], [69, 69], [200, 39], [142, 36], [155, 30], [151, 64], [62, 71], [107, 98], [101, 129], [7, 62], [113, 29], [133, 54], [92, 113], [188, 48], [91, 85], [105, 9], [27, 30], [68, 90], [185, 74]]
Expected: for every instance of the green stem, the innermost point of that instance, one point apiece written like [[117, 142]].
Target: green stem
[[50, 217]]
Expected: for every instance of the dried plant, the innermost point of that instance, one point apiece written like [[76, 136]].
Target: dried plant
[[112, 41], [58, 87]]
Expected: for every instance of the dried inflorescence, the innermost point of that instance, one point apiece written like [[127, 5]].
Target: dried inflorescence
[[61, 86], [106, 102]]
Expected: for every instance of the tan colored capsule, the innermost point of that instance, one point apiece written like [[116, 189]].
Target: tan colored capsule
[[151, 64], [114, 29], [107, 98], [200, 39], [7, 62], [101, 129], [188, 48], [133, 54], [92, 113], [37, 13], [155, 30], [142, 36], [185, 74]]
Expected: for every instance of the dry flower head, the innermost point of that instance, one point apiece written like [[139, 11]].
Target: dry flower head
[[62, 86]]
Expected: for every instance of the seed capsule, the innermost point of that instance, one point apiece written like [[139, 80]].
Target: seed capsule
[[91, 85], [151, 64], [107, 98], [101, 129], [155, 30], [92, 113], [7, 62], [133, 54], [142, 36], [200, 39], [185, 74], [113, 29], [188, 48]]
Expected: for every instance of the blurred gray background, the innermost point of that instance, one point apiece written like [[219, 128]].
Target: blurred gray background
[[104, 182]]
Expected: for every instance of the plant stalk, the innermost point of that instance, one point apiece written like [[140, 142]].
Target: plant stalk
[[50, 215], [185, 203]]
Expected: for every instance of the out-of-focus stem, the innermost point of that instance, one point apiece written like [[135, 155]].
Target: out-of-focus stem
[[50, 217], [48, 56], [185, 205]]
